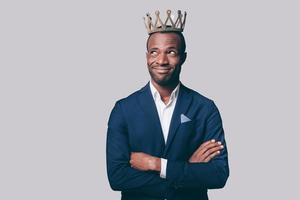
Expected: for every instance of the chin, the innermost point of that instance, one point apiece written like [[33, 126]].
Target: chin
[[163, 82]]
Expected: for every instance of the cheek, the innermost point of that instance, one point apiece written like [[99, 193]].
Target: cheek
[[150, 60], [174, 61]]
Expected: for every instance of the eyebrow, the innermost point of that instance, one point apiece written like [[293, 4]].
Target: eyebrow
[[173, 48], [155, 48]]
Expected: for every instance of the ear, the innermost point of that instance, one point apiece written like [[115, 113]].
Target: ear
[[183, 57]]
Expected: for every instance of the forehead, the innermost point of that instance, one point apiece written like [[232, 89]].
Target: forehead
[[164, 40]]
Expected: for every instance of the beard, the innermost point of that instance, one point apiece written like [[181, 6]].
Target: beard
[[166, 79]]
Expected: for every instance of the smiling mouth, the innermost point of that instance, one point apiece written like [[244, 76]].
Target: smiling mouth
[[162, 70]]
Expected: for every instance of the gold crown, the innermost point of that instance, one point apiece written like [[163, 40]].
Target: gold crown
[[169, 25]]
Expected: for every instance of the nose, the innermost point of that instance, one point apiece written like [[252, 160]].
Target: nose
[[162, 59]]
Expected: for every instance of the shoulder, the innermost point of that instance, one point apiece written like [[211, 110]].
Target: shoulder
[[125, 105], [131, 99], [200, 104], [198, 98]]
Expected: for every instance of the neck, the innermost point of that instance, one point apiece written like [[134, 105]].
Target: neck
[[165, 91]]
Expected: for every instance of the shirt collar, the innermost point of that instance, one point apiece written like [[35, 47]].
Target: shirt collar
[[156, 94]]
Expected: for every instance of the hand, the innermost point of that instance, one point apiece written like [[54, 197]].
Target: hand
[[207, 151], [144, 162]]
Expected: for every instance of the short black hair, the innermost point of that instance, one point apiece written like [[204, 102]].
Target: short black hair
[[182, 40]]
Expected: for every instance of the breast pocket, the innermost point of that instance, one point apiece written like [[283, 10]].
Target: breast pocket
[[187, 125], [186, 132], [183, 141]]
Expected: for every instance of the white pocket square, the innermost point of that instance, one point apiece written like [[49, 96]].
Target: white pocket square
[[184, 118]]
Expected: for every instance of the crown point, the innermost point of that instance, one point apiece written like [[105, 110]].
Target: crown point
[[169, 24]]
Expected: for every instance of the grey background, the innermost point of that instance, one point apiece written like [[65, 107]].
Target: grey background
[[65, 63]]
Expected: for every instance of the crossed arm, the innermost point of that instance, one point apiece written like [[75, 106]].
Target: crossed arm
[[206, 151], [137, 171]]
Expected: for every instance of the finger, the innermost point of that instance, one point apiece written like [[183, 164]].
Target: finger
[[132, 154], [136, 154], [208, 142], [134, 167], [200, 154], [208, 147], [203, 145], [211, 156], [212, 151], [132, 162]]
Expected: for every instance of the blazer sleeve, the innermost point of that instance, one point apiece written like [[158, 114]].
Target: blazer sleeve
[[208, 175], [121, 175]]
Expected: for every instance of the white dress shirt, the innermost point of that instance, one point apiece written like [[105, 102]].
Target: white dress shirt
[[165, 112]]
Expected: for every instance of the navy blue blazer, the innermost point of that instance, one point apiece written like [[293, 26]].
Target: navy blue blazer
[[134, 126]]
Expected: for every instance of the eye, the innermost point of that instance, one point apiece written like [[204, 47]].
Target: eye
[[172, 53], [153, 53]]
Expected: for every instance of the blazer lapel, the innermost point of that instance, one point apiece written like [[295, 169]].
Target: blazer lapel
[[182, 104], [148, 106]]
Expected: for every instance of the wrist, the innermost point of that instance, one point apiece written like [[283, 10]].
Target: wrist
[[155, 164]]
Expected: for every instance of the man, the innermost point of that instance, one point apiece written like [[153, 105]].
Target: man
[[166, 141]]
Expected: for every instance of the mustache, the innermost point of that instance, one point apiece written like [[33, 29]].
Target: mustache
[[162, 68], [158, 66]]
